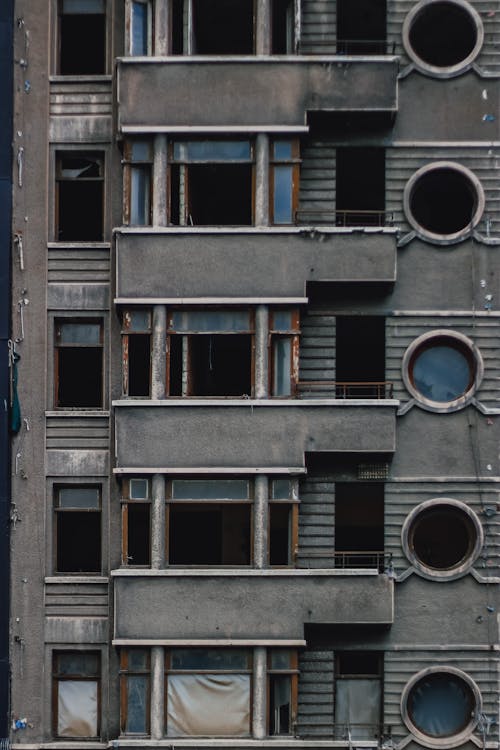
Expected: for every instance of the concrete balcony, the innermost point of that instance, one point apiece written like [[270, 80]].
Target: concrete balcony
[[206, 433], [204, 604], [162, 94], [271, 262]]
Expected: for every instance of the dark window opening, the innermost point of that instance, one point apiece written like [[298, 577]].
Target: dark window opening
[[175, 369], [358, 695], [443, 201], [443, 34], [139, 364], [223, 27], [220, 194], [360, 187], [78, 530], [80, 196], [279, 534], [359, 525], [360, 356], [361, 27], [282, 41], [280, 703], [214, 535], [79, 365], [82, 37], [220, 365], [350, 663], [442, 537], [177, 38], [138, 534]]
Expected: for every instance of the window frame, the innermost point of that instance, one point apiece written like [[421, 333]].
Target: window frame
[[60, 320], [125, 501], [146, 165], [57, 510], [293, 335], [57, 677], [58, 13], [129, 19], [85, 153], [293, 673], [128, 330], [124, 672], [378, 677], [293, 162]]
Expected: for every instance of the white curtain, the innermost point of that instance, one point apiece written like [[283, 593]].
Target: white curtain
[[357, 707], [77, 708], [208, 705]]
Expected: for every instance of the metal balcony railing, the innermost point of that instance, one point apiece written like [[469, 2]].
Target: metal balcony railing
[[345, 218], [347, 46], [350, 732], [352, 559], [345, 390]]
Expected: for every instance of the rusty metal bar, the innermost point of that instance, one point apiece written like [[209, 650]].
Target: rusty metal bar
[[357, 389]]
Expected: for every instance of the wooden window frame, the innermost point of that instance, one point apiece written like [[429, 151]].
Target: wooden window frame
[[128, 26], [294, 335], [125, 502], [294, 162], [124, 673], [58, 677], [293, 673], [57, 509], [98, 155], [61, 321], [129, 163], [126, 332]]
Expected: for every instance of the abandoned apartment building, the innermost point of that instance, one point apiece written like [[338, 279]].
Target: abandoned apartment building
[[255, 337]]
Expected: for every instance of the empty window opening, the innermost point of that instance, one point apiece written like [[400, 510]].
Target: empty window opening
[[212, 534], [360, 187], [443, 201], [443, 34], [220, 365], [79, 197], [442, 537], [359, 525], [220, 194], [282, 677], [136, 343], [138, 162], [358, 695], [280, 534], [82, 37], [223, 27], [76, 694], [79, 364], [441, 704], [361, 27], [135, 686], [138, 536], [177, 31], [282, 41], [360, 356], [78, 529]]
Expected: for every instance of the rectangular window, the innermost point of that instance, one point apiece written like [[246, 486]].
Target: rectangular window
[[361, 27], [208, 692], [360, 187], [140, 28], [136, 352], [76, 677], [135, 687], [282, 675], [360, 356], [138, 162], [79, 364], [222, 27], [284, 355], [77, 529], [283, 23], [79, 196], [359, 525], [284, 176], [82, 37], [136, 522], [283, 522], [358, 695]]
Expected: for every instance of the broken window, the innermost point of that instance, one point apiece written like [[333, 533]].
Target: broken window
[[282, 671], [79, 364], [77, 529], [359, 525], [136, 522], [76, 694], [361, 27], [135, 686], [360, 356], [136, 348], [283, 522], [360, 187], [139, 28], [358, 695], [284, 176], [138, 163], [79, 196], [208, 692], [82, 37]]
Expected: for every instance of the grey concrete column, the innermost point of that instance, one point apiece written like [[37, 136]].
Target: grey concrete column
[[261, 352], [262, 180], [157, 691], [259, 693], [158, 353], [261, 522], [160, 181], [162, 28], [263, 28], [158, 522]]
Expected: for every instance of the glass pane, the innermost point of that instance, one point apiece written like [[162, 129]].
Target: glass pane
[[137, 659], [139, 33], [212, 151], [200, 321], [209, 658], [282, 150], [139, 196], [208, 705], [78, 497], [82, 7], [440, 705], [282, 367], [281, 658], [77, 709], [441, 373], [138, 489], [283, 194], [282, 320], [137, 320], [137, 704], [75, 662], [79, 333], [210, 489], [72, 167], [141, 151], [280, 489]]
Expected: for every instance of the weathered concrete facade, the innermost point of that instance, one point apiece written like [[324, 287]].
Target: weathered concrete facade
[[255, 490]]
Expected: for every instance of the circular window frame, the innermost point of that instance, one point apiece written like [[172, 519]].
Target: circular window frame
[[441, 742], [438, 71], [435, 237], [442, 407], [457, 571]]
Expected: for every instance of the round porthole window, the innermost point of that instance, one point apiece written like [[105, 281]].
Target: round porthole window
[[442, 538], [442, 370], [443, 37], [439, 706], [443, 202]]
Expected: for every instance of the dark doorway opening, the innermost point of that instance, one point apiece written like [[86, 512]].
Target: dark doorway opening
[[209, 535], [361, 27], [360, 187], [360, 356]]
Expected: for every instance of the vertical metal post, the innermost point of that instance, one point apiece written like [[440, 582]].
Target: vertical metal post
[[157, 692], [158, 522], [259, 693], [262, 180], [160, 181], [261, 522], [261, 351], [158, 355]]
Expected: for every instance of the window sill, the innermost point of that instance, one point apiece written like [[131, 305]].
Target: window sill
[[278, 229], [242, 572], [78, 413], [217, 742], [65, 579], [74, 244], [72, 78], [252, 402]]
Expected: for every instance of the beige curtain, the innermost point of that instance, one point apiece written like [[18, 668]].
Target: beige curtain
[[77, 708], [208, 705]]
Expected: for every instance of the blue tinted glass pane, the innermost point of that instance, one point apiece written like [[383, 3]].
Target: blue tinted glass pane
[[139, 33], [283, 190], [282, 367], [440, 705], [282, 150], [212, 151], [281, 491], [141, 151], [139, 196], [137, 689], [282, 320], [210, 489], [441, 373], [209, 658], [205, 320], [137, 659]]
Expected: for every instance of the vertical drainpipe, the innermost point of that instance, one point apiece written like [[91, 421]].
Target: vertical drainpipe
[[6, 136], [162, 30], [263, 27], [259, 693]]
